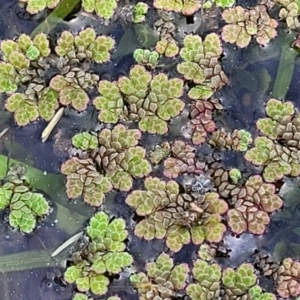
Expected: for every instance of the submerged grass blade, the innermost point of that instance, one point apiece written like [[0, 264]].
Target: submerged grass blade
[[64, 8], [285, 69], [26, 260]]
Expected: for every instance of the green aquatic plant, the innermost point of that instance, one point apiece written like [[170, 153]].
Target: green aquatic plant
[[209, 281], [201, 65], [201, 121], [111, 103], [9, 78], [186, 7], [178, 217], [83, 180], [237, 140], [27, 109], [104, 255], [235, 175], [160, 152], [163, 279], [252, 204], [85, 141], [183, 160], [238, 282], [152, 101], [278, 160], [120, 156], [256, 293], [284, 274], [72, 86], [167, 47], [24, 109], [166, 28], [206, 281], [35, 6], [139, 11], [146, 57], [24, 50], [290, 12], [207, 4], [116, 153], [81, 296], [103, 8], [243, 24], [84, 46], [279, 114], [278, 152], [25, 206]]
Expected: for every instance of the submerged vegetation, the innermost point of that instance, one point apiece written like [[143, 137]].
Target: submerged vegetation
[[159, 151]]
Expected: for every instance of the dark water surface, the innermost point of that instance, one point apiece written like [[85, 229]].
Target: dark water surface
[[244, 105]]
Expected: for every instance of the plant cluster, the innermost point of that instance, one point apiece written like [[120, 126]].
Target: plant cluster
[[278, 150], [251, 202], [71, 88], [139, 11], [207, 4], [285, 274], [237, 140], [243, 24], [27, 60], [189, 7], [290, 12], [147, 58], [201, 65], [18, 58], [25, 206], [103, 8], [252, 205], [112, 160], [179, 217], [160, 152], [183, 160], [82, 296], [85, 45], [201, 121], [186, 7], [163, 279], [105, 255], [209, 281], [166, 28], [35, 6], [150, 100]]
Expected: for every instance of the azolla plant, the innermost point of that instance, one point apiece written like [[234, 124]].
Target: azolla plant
[[150, 100], [25, 206], [110, 160], [245, 23], [163, 280], [35, 6], [278, 149], [26, 61], [252, 202], [201, 65], [104, 255], [182, 160], [19, 57], [178, 217]]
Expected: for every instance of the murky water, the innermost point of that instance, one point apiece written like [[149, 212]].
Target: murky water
[[244, 104]]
